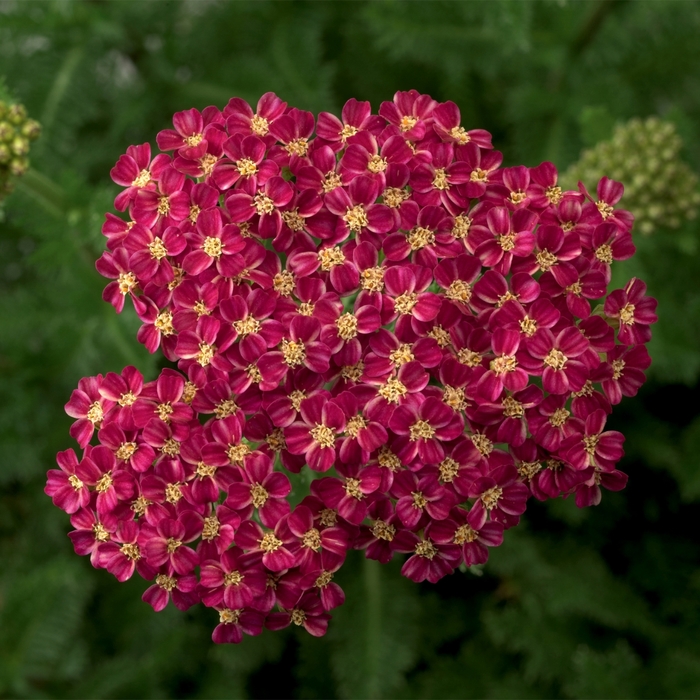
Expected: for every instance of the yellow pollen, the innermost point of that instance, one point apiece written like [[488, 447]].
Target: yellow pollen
[[419, 238], [331, 180], [254, 373], [459, 291], [590, 442], [512, 408], [356, 217], [373, 279], [194, 139], [618, 367], [127, 399], [517, 197], [504, 298], [167, 583], [330, 257], [294, 352], [555, 465], [213, 247], [553, 194], [454, 397], [293, 220], [297, 147], [259, 125], [234, 578], [189, 392], [100, 532], [105, 483], [426, 549], [75, 482], [404, 304], [506, 241], [449, 469], [527, 470], [347, 131], [352, 488], [353, 373], [270, 543], [172, 544], [386, 458], [465, 533], [227, 407], [586, 390], [205, 354], [354, 425], [328, 517], [237, 453], [164, 411], [469, 357], [503, 364], [163, 206], [125, 451], [263, 204], [490, 498], [604, 254], [247, 326], [393, 390], [605, 209], [246, 167], [575, 289], [421, 430], [627, 314], [200, 308], [482, 444], [130, 551], [459, 134], [306, 308], [440, 180], [259, 495], [210, 529], [205, 470], [347, 326], [394, 196], [440, 336], [170, 448], [402, 355], [407, 122], [95, 413], [419, 500], [296, 397], [228, 616], [528, 326], [568, 226], [545, 260], [325, 577], [555, 359], [283, 283], [312, 539], [298, 617], [194, 213], [377, 164], [164, 323], [478, 175], [383, 531], [157, 249], [461, 226], [207, 163], [559, 417], [178, 274], [142, 179], [275, 440], [126, 282], [323, 435], [140, 505], [173, 493]]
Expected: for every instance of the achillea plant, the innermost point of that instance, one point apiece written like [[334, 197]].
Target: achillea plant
[[17, 132], [382, 304]]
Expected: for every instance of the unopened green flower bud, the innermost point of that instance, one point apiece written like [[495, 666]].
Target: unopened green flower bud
[[7, 131], [5, 154], [19, 166], [20, 146], [31, 129], [17, 114]]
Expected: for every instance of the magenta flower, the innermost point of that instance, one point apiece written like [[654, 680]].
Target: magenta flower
[[67, 489], [624, 371], [233, 624], [349, 494], [166, 206], [214, 243], [595, 447], [431, 561], [355, 117], [420, 499], [410, 112], [447, 120], [386, 534], [136, 171], [503, 371], [89, 407], [169, 585], [634, 310], [121, 555], [233, 581], [307, 613], [275, 555], [165, 543], [500, 496]]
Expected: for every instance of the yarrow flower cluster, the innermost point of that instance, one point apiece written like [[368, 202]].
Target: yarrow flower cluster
[[382, 304], [17, 132], [661, 189]]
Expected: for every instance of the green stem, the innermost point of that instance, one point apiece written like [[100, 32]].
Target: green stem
[[59, 87], [373, 609], [46, 192]]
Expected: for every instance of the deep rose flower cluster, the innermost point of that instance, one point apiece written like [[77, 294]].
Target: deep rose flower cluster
[[382, 304]]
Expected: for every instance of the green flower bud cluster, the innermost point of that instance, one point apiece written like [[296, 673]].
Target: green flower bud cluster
[[17, 132], [660, 189]]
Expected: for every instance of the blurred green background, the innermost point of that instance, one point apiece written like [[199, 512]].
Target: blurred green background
[[597, 603]]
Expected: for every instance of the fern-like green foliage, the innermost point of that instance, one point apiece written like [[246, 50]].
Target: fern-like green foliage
[[598, 603]]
